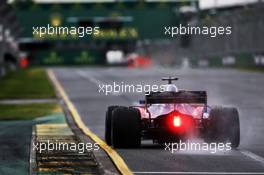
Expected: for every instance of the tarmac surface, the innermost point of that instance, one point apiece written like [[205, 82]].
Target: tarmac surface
[[227, 87]]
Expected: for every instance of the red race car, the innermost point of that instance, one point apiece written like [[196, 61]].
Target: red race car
[[171, 115]]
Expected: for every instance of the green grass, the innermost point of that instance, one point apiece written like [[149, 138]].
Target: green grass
[[29, 83], [253, 69], [27, 111]]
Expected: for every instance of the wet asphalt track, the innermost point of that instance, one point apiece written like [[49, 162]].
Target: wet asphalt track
[[243, 90]]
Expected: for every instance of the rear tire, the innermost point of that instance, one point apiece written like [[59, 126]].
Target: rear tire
[[224, 126], [126, 131], [108, 123]]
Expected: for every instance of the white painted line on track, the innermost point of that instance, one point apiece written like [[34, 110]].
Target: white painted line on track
[[89, 77], [95, 81], [244, 152], [253, 156]]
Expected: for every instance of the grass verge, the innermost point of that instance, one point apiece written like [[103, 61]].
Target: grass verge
[[253, 69], [28, 84], [27, 111]]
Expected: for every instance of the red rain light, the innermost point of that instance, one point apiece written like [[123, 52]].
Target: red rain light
[[176, 121]]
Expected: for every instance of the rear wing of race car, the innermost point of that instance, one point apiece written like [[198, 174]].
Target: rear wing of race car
[[196, 97]]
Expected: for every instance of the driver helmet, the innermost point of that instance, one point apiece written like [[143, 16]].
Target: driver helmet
[[171, 88]]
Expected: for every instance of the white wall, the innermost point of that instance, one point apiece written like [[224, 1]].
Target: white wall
[[205, 4]]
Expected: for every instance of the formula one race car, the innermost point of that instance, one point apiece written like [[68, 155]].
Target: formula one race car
[[171, 115]]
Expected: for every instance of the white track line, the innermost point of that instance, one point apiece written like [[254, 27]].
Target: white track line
[[244, 152], [95, 81], [89, 77], [253, 156]]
